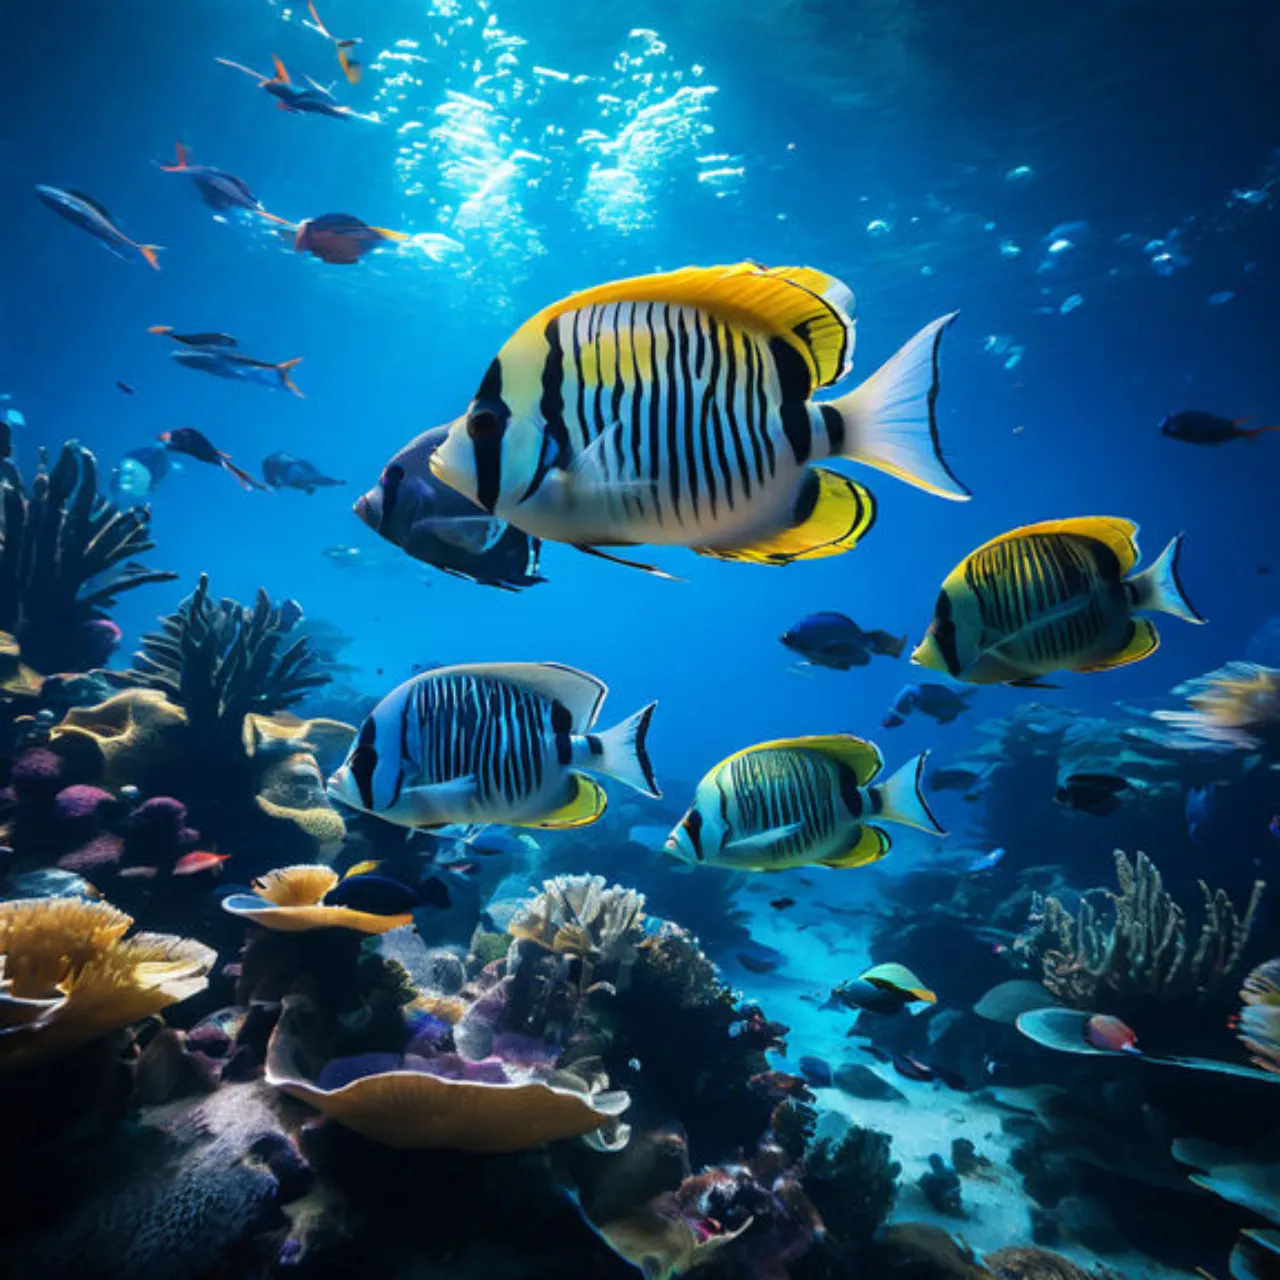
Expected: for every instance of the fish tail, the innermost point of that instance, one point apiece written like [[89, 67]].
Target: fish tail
[[149, 252], [283, 370], [620, 752], [895, 648], [1158, 589], [245, 479], [183, 153], [890, 421], [1253, 433], [901, 798]]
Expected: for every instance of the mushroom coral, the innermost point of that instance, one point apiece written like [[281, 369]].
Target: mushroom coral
[[68, 975], [413, 1110], [290, 900]]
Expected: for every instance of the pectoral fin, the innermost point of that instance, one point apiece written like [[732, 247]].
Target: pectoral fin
[[436, 804], [872, 845], [1142, 641], [762, 840]]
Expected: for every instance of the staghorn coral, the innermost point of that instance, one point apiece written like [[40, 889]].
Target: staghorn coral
[[1145, 951], [65, 555], [68, 976], [1258, 1024]]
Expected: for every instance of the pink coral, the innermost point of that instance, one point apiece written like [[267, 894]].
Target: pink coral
[[36, 774], [103, 851], [80, 801]]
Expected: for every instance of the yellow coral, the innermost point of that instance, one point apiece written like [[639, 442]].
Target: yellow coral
[[68, 975], [447, 1008], [16, 678], [127, 732], [290, 900]]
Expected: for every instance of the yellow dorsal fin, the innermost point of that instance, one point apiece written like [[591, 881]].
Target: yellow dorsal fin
[[361, 868], [899, 978], [583, 807], [1143, 640], [1121, 536], [872, 845], [806, 308], [863, 758], [837, 513]]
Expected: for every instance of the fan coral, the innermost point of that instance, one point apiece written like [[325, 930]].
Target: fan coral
[[1145, 952], [1236, 706], [579, 916], [439, 1101], [1259, 1022], [65, 555], [290, 900], [67, 975]]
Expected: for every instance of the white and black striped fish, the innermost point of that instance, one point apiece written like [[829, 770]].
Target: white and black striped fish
[[799, 802], [676, 409], [492, 743], [1056, 596]]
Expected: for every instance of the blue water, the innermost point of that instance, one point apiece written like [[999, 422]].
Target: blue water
[[1136, 127]]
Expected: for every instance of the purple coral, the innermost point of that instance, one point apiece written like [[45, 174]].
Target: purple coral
[[157, 834], [36, 775], [101, 852], [78, 802]]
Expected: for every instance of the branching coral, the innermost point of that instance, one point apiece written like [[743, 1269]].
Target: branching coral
[[578, 915], [1145, 951], [65, 555], [68, 975]]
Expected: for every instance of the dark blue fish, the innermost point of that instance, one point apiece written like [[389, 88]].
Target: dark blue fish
[[219, 190], [91, 215], [375, 894], [934, 700], [437, 525], [189, 441], [223, 363], [817, 1072], [1195, 426], [283, 471], [339, 238], [195, 339], [1093, 793], [1199, 809], [125, 387], [835, 641]]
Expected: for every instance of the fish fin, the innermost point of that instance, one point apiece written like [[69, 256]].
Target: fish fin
[[890, 421], [391, 235], [350, 67], [1158, 589], [315, 17], [1118, 535], [578, 692], [1142, 640], [249, 71], [281, 76], [160, 328], [762, 840], [149, 252], [181, 164], [584, 806], [872, 845], [902, 798], [271, 217], [897, 977], [623, 754], [245, 479], [1252, 433], [832, 514], [283, 370], [629, 564], [863, 759], [806, 309], [361, 868]]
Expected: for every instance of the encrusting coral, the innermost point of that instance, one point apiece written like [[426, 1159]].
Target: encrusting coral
[[66, 553], [1145, 951], [68, 975]]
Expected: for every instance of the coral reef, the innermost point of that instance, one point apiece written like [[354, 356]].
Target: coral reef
[[66, 554], [1145, 952], [68, 975]]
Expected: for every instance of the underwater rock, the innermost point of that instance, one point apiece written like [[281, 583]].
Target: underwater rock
[[852, 1184], [921, 1251], [1027, 1263], [859, 1081], [1246, 1177], [68, 975], [941, 1188], [408, 1107], [66, 554]]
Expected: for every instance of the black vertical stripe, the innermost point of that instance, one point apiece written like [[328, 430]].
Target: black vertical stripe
[[700, 428], [729, 340], [598, 419], [637, 398], [711, 401], [755, 426], [794, 386], [671, 386], [654, 472], [762, 415], [578, 319], [686, 393]]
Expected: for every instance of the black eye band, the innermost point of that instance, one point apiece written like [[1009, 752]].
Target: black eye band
[[364, 761], [692, 823], [392, 478]]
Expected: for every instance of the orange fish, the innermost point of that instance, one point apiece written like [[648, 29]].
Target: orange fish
[[191, 864]]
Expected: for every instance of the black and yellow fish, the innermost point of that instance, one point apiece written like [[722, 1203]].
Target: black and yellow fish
[[1058, 596], [676, 409]]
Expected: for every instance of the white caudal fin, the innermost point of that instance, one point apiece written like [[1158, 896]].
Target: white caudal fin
[[890, 421], [1157, 589], [620, 752], [901, 799]]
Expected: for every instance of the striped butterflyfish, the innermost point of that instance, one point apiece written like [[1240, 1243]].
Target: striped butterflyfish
[[1057, 596], [676, 409], [505, 742], [800, 802]]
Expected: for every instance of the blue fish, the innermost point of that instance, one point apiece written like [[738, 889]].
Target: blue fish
[[1199, 809], [378, 895], [283, 471], [225, 363], [219, 190], [985, 861], [91, 215]]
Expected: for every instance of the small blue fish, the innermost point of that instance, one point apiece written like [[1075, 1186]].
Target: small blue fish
[[1199, 809], [218, 189], [378, 895], [985, 861], [284, 471], [91, 215], [224, 363]]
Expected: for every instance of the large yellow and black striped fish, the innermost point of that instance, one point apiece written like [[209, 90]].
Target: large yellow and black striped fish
[[675, 409], [1057, 596], [800, 802], [505, 742]]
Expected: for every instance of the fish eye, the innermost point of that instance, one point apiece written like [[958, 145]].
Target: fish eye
[[483, 425]]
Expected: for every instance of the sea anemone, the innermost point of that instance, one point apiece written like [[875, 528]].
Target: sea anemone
[[68, 975], [290, 900]]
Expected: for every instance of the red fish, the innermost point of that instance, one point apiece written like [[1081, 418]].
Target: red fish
[[1105, 1032], [192, 863], [338, 238]]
